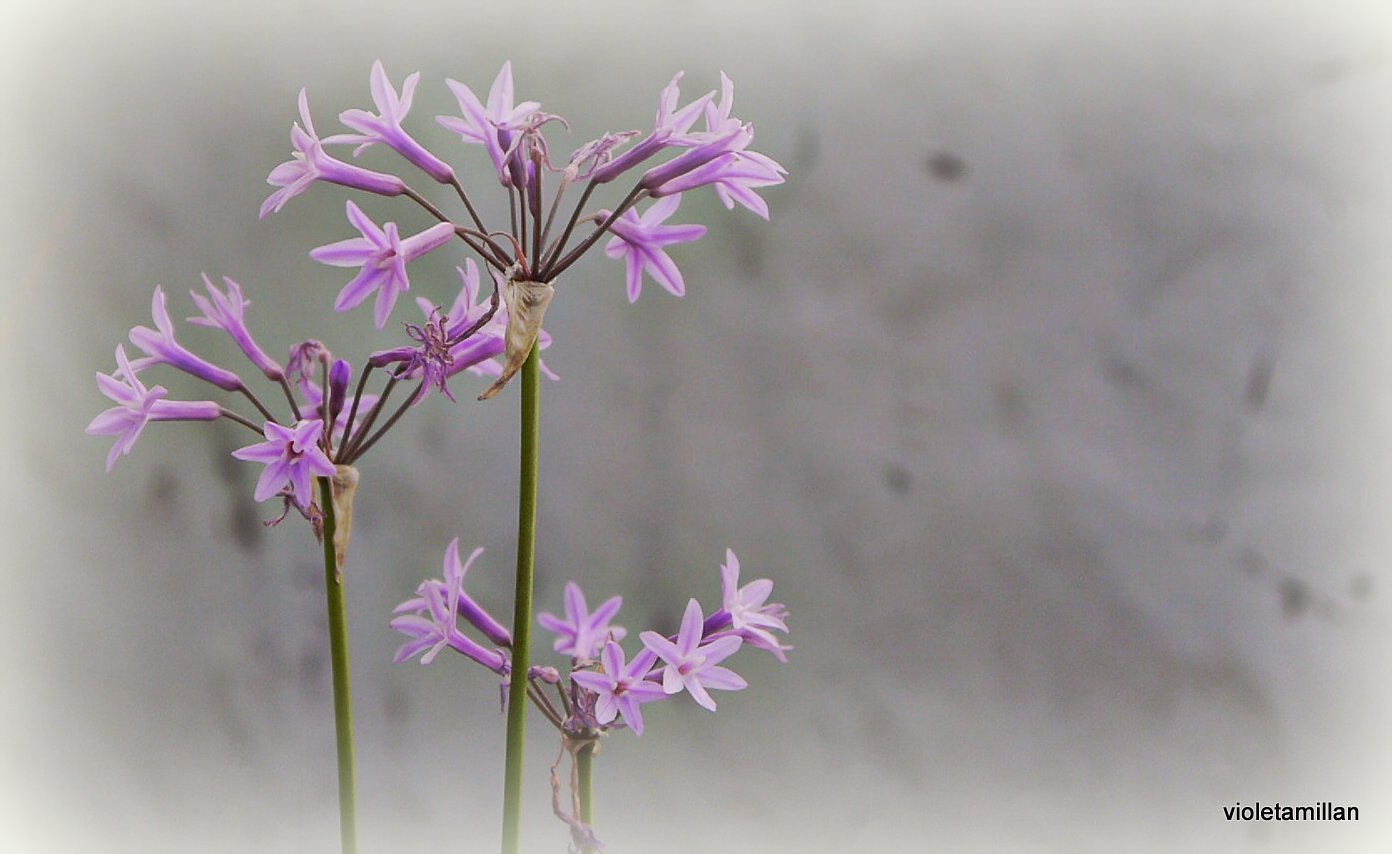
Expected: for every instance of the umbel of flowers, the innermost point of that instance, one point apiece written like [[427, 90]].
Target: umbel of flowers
[[603, 690], [323, 428]]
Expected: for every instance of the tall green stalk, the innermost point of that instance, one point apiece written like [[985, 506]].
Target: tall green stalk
[[342, 690], [522, 607], [584, 770]]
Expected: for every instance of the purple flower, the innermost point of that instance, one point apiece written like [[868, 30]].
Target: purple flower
[[582, 633], [639, 240], [453, 585], [429, 620], [292, 456], [385, 125], [748, 614], [732, 138], [693, 666], [161, 349], [621, 688], [430, 359], [734, 177], [383, 256], [718, 158], [670, 130], [227, 312], [309, 163], [494, 126], [138, 405], [477, 353]]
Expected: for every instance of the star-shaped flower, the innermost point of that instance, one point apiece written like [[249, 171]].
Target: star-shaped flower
[[493, 126], [292, 456], [383, 256], [749, 616], [639, 240], [582, 633], [670, 129], [385, 125], [430, 618], [734, 176], [309, 163], [622, 687], [161, 348], [718, 158], [691, 665], [138, 405], [228, 313]]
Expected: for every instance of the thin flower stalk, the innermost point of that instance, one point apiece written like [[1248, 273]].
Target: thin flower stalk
[[342, 687], [522, 607]]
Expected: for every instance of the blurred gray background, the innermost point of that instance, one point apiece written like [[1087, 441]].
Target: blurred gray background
[[1054, 398]]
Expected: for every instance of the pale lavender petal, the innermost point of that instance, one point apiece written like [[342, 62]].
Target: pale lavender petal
[[353, 252], [645, 692], [697, 692], [574, 603], [729, 194], [380, 87], [720, 649], [632, 715], [353, 293], [265, 452], [300, 484], [364, 224], [500, 95], [453, 569], [272, 479], [606, 708], [641, 663], [604, 613], [113, 420], [665, 272], [690, 633], [635, 277], [755, 593], [613, 659], [597, 682], [722, 679], [386, 300], [661, 646]]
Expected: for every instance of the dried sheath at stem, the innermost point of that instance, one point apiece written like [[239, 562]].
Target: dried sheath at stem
[[345, 486], [526, 303]]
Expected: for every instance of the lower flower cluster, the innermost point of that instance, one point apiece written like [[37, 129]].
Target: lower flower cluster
[[605, 689]]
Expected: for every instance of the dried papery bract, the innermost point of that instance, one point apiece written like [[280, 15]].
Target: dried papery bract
[[526, 303], [345, 488]]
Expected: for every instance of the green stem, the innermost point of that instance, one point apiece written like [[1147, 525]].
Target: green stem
[[342, 692], [522, 608], [584, 770]]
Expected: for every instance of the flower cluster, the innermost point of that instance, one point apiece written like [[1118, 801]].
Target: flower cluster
[[606, 689], [321, 431], [488, 336], [717, 156]]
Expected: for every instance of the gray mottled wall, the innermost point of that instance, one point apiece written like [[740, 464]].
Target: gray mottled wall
[[1054, 398]]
